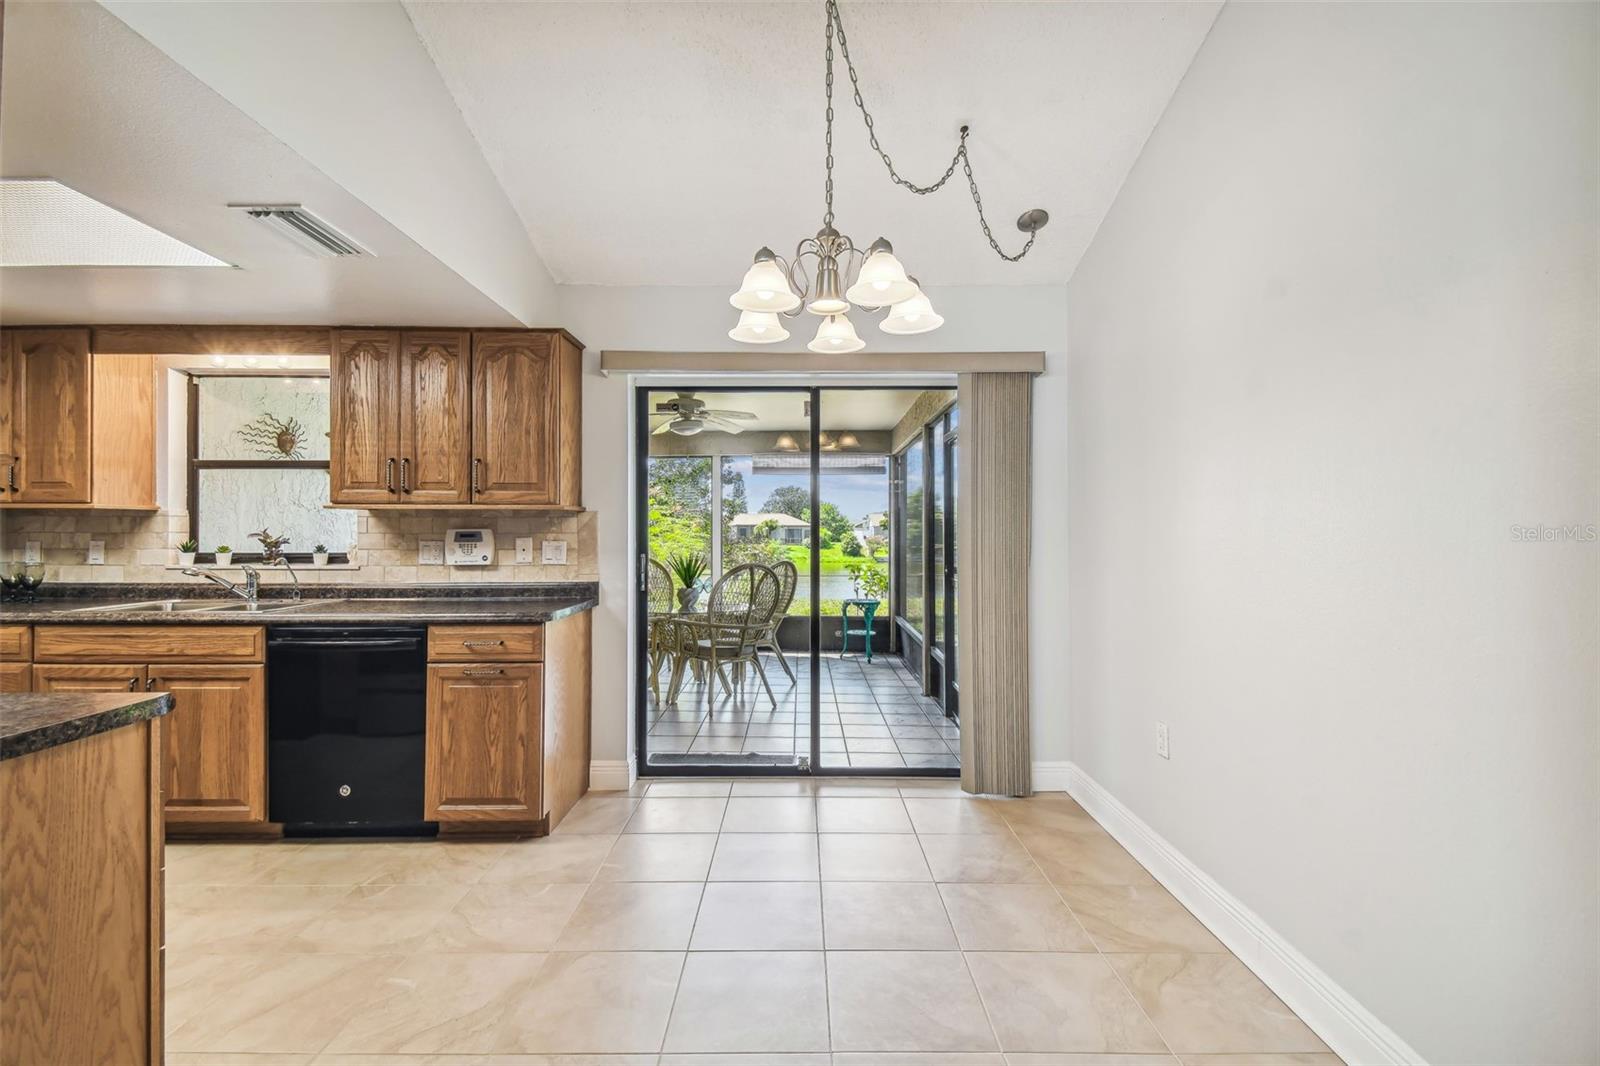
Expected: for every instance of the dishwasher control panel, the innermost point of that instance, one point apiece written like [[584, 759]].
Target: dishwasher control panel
[[469, 547]]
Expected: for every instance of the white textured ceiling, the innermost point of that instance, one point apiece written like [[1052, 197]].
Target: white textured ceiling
[[662, 143], [92, 104]]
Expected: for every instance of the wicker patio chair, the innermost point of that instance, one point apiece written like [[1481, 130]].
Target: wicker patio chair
[[737, 616], [659, 599], [788, 577]]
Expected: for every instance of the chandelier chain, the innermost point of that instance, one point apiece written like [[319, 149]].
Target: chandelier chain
[[836, 23]]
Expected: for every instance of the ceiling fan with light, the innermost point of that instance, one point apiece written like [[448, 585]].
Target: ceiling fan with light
[[687, 415], [773, 287]]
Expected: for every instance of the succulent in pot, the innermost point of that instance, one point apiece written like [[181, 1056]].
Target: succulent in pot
[[688, 568], [319, 555], [224, 555], [186, 550]]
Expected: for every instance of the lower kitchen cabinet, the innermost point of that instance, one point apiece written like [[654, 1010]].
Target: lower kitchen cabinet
[[483, 757], [16, 659], [81, 901], [508, 731], [214, 763]]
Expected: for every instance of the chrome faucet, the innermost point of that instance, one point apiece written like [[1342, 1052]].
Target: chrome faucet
[[247, 592], [283, 561]]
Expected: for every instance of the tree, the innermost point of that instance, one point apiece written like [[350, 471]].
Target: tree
[[834, 523], [733, 498], [791, 500]]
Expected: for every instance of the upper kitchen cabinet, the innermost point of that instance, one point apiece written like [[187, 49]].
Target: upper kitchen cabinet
[[77, 430], [450, 418], [526, 419], [364, 417]]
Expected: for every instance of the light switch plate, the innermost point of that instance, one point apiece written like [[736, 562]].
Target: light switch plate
[[30, 552], [97, 553], [430, 553], [553, 552], [524, 549]]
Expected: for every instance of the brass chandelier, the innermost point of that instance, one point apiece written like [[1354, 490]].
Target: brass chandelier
[[841, 273]]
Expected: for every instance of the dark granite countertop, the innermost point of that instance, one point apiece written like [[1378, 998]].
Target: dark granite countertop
[[323, 604], [34, 721]]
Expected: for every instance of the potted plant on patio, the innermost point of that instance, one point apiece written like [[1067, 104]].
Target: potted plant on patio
[[186, 550], [687, 569]]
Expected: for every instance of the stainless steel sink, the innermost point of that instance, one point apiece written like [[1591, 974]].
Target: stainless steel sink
[[189, 606]]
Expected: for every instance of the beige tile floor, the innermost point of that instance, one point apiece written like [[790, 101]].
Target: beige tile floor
[[691, 923]]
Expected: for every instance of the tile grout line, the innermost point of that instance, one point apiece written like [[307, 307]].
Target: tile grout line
[[1101, 954]]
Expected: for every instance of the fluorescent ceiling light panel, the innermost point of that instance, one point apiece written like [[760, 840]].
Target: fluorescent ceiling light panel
[[44, 223]]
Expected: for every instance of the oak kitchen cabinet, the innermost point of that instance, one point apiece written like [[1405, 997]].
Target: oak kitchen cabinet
[[77, 430], [16, 659], [214, 762], [508, 725], [81, 897], [454, 418]]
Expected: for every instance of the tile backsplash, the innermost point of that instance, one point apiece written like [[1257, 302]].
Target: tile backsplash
[[144, 547]]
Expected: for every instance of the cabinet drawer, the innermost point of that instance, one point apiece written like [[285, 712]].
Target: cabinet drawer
[[16, 643], [150, 644], [478, 644]]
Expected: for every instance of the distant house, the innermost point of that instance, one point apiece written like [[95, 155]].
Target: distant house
[[875, 524], [785, 529]]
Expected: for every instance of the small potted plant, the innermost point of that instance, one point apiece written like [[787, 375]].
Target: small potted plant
[[319, 555], [688, 568], [224, 555], [186, 550]]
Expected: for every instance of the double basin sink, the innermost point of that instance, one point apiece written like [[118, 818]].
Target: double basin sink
[[205, 606]]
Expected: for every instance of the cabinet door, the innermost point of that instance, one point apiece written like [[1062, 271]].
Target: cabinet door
[[10, 377], [88, 677], [51, 416], [484, 734], [214, 742], [514, 400], [433, 417], [16, 677], [364, 398]]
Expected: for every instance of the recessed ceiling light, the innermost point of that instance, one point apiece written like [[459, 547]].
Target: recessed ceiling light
[[44, 223]]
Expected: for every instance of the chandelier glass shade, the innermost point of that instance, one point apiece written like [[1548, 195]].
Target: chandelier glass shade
[[759, 327], [829, 274]]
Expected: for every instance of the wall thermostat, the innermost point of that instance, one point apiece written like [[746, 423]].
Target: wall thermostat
[[469, 547]]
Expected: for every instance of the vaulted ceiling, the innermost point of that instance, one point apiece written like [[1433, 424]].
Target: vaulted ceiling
[[487, 152]]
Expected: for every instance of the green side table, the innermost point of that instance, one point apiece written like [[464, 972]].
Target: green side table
[[868, 609]]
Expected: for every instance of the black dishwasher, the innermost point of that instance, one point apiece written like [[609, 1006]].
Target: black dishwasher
[[345, 721]]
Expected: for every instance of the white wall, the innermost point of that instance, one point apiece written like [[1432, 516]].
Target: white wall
[[698, 319], [1335, 339]]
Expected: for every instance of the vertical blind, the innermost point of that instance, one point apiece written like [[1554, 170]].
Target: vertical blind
[[993, 518]]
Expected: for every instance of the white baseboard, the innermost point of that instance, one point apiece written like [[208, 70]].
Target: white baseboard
[[610, 775], [1347, 1027], [1052, 776]]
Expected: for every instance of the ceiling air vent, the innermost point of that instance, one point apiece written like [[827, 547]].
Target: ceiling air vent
[[306, 230]]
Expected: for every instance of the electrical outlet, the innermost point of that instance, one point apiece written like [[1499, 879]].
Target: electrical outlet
[[553, 552], [97, 553], [30, 552], [430, 553], [1161, 741], [524, 549]]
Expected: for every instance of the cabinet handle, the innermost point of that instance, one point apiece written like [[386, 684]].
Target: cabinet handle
[[476, 463], [482, 673], [404, 466], [11, 475], [388, 475], [133, 683], [482, 643]]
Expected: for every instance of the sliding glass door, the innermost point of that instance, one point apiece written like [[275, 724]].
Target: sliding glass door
[[740, 491]]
